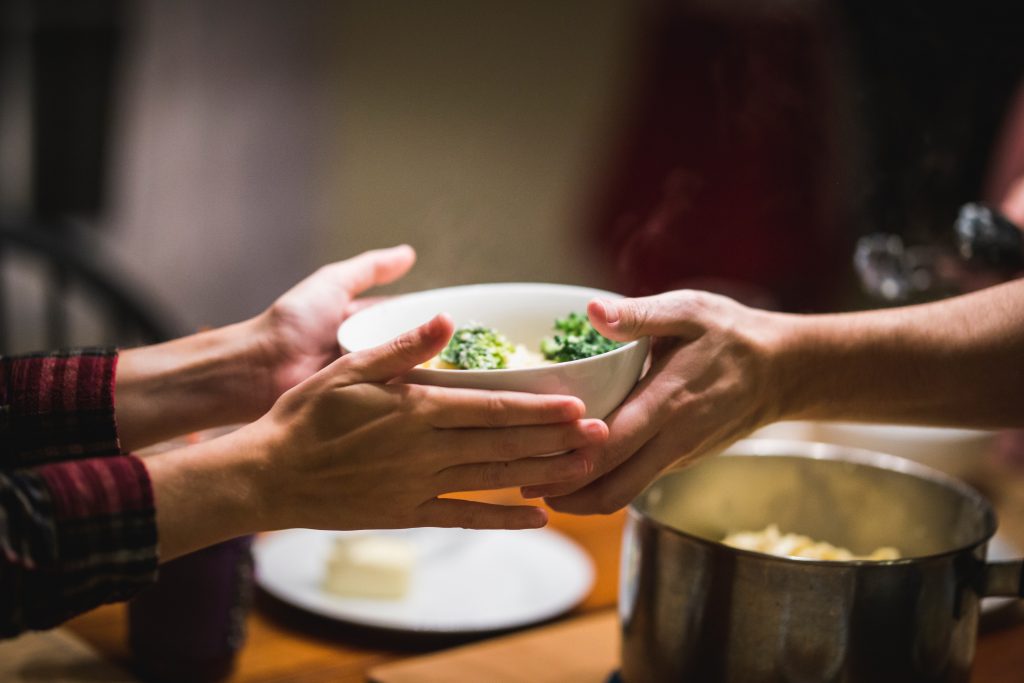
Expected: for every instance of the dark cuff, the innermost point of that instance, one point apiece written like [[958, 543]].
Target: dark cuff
[[89, 539], [57, 406]]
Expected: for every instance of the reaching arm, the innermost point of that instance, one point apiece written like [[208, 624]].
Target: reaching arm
[[234, 374], [720, 370], [348, 449], [344, 449], [953, 362]]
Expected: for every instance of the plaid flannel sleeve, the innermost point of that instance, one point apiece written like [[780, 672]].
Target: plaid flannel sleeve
[[77, 524]]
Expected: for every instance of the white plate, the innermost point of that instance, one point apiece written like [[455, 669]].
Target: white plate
[[999, 548], [463, 582]]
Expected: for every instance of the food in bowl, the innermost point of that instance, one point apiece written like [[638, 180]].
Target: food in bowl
[[478, 347], [523, 312], [575, 339], [773, 542]]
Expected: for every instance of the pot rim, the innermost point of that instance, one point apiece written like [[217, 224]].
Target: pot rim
[[825, 451]]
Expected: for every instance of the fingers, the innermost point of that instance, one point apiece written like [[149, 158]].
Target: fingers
[[618, 488], [674, 314], [400, 355], [477, 408], [371, 268], [465, 446], [450, 512], [632, 425], [500, 475]]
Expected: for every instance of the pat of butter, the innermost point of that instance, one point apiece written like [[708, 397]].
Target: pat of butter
[[369, 566]]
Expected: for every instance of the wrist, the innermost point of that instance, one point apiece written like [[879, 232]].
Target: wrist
[[209, 379], [786, 341], [817, 366], [257, 363], [204, 494]]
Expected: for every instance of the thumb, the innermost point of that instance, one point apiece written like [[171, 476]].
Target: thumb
[[674, 314], [333, 286], [401, 354], [372, 268]]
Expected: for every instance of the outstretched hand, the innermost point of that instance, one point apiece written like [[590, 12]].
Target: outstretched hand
[[707, 386], [350, 449], [299, 329]]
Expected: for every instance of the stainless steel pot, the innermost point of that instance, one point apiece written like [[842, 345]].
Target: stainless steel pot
[[693, 609]]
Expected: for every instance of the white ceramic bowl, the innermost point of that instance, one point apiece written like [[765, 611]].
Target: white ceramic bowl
[[523, 312]]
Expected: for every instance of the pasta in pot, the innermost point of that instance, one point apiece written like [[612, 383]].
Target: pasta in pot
[[770, 540]]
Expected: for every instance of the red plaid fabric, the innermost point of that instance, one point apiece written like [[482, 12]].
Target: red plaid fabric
[[77, 525]]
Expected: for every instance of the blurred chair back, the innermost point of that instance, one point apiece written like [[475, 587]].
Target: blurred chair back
[[57, 290]]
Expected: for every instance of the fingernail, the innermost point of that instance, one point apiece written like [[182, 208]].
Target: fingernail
[[436, 324], [611, 313], [538, 518], [594, 428], [575, 409]]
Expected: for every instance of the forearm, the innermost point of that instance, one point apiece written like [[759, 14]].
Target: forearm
[[205, 380], [207, 493], [958, 361]]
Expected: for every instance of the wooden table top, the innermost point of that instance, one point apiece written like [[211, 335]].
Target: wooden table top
[[285, 644]]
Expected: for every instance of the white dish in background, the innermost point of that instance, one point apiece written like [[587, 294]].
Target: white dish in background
[[463, 581], [525, 313], [794, 430], [957, 452]]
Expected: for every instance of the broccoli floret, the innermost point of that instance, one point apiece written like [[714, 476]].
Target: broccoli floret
[[576, 338], [475, 347]]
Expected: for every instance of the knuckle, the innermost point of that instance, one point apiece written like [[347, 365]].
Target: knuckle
[[641, 316], [562, 468], [497, 411], [413, 402], [404, 344], [692, 303], [632, 314]]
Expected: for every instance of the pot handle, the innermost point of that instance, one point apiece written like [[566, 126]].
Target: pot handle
[[1004, 579]]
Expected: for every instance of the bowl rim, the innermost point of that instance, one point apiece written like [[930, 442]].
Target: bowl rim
[[628, 347], [786, 448]]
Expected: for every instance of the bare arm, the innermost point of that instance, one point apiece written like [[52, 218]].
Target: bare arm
[[345, 449], [720, 370], [235, 373], [204, 380], [953, 362]]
